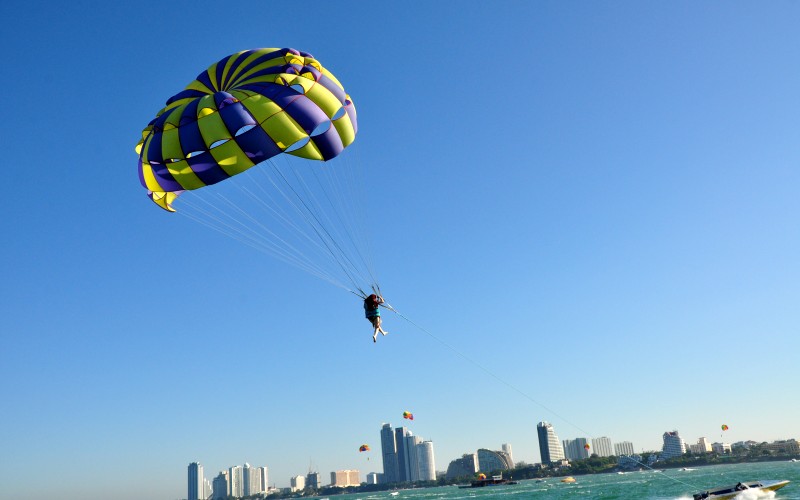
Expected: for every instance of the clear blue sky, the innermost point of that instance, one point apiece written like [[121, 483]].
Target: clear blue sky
[[597, 200]]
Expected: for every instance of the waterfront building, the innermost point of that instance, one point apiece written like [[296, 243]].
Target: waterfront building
[[297, 483], [412, 461], [263, 479], [425, 459], [625, 448], [373, 478], [195, 481], [602, 447], [236, 484], [344, 478], [507, 449], [629, 461], [250, 480], [788, 446], [704, 445], [673, 445], [313, 480], [549, 447], [220, 486], [575, 449], [491, 461], [391, 472], [466, 466], [721, 448], [207, 489], [403, 466]]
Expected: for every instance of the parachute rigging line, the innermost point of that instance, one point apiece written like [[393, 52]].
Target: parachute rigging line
[[515, 388]]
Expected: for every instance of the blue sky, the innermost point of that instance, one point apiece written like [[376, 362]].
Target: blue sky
[[597, 201]]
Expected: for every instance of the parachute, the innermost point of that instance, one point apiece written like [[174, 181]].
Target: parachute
[[363, 448], [586, 447], [242, 112], [724, 427], [408, 415]]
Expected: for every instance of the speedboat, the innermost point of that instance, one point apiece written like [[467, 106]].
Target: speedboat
[[727, 492]]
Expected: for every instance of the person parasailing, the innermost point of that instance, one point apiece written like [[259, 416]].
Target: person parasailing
[[372, 312]]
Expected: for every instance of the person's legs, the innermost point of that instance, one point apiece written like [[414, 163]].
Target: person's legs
[[380, 328], [376, 324]]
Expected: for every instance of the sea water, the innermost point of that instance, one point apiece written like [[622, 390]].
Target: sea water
[[647, 484]]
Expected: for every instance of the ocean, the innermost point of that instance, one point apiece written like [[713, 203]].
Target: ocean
[[648, 484]]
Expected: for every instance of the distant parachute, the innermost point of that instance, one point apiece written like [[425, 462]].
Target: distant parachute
[[481, 476], [724, 427], [586, 447], [364, 447], [408, 415]]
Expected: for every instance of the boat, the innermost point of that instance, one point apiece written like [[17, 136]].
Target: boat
[[727, 492], [489, 481], [568, 479]]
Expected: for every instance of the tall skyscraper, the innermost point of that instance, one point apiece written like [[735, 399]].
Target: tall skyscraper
[[549, 447], [602, 447], [196, 484], [249, 480], [673, 445], [703, 445], [235, 481], [575, 449], [391, 471], [427, 464], [412, 461], [313, 481], [263, 479], [220, 486], [623, 449], [507, 448], [400, 434]]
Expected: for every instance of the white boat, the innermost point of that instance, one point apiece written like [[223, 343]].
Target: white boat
[[728, 492]]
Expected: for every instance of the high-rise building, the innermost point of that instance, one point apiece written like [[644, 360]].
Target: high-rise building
[[575, 449], [391, 471], [624, 449], [196, 484], [703, 445], [220, 486], [549, 447], [425, 459], [313, 480], [263, 478], [373, 478], [297, 483], [507, 448], [344, 478], [602, 447], [673, 445], [403, 466], [250, 482], [235, 481], [412, 462], [207, 489]]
